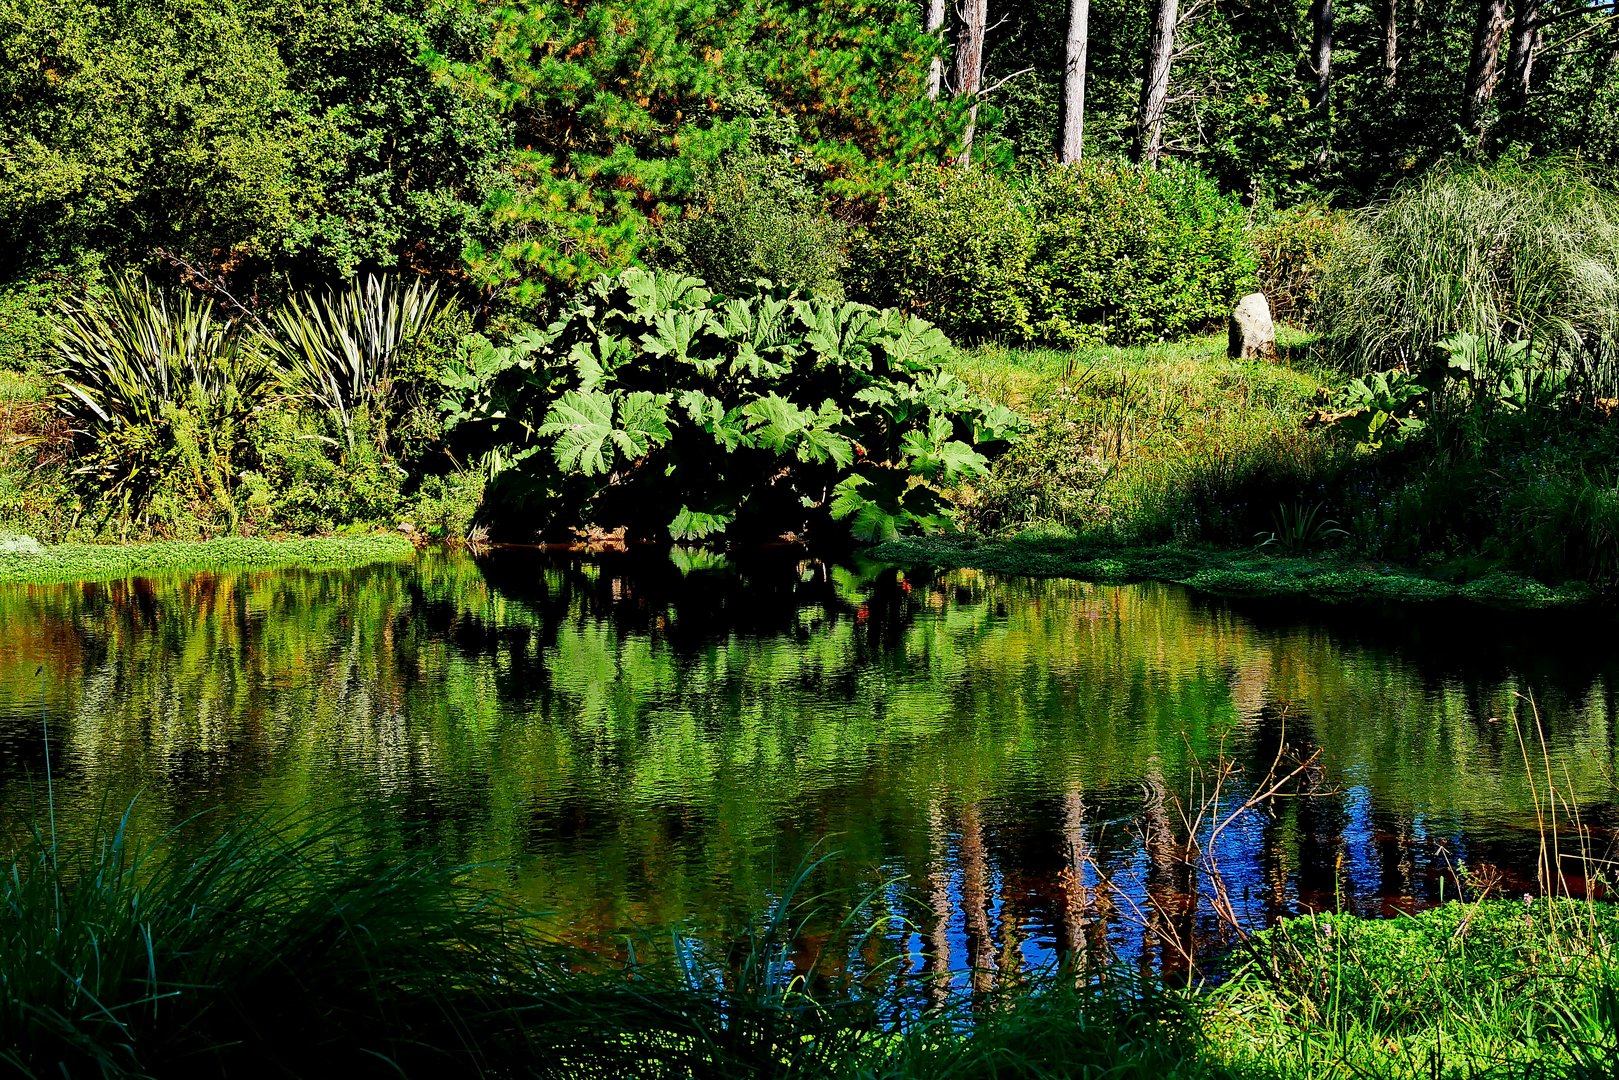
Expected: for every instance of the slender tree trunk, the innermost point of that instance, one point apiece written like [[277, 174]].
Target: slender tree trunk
[[1481, 64], [935, 26], [970, 68], [1073, 81], [1149, 140], [1322, 18], [1321, 24], [1521, 53], [1391, 43]]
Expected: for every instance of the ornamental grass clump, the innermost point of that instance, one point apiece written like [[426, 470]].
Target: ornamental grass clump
[[1507, 254]]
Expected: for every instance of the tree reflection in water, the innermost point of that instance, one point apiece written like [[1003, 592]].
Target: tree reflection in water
[[649, 745]]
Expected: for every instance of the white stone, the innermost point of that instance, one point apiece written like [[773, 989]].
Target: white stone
[[1252, 333]]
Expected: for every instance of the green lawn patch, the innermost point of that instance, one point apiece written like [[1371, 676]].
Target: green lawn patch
[[25, 560]]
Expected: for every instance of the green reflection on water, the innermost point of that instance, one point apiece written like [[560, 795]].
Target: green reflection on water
[[648, 747]]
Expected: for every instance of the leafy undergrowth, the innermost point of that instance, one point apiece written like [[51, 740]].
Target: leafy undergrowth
[[23, 559], [289, 946], [1245, 572]]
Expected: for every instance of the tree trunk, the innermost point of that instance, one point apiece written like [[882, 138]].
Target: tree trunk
[[935, 26], [1073, 81], [1321, 22], [1521, 53], [970, 68], [1149, 140], [1391, 43], [1481, 65]]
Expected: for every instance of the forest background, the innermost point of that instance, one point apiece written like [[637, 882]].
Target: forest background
[[246, 156]]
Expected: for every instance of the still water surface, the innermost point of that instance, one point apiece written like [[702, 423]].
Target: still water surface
[[646, 744]]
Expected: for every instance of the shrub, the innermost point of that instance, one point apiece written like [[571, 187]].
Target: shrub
[[1126, 254], [305, 481], [1509, 253], [1291, 249], [955, 247], [756, 219], [158, 392], [654, 406], [338, 350]]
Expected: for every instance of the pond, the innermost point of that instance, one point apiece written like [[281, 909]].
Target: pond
[[988, 772]]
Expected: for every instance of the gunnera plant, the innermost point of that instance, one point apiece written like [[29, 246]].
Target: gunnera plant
[[1508, 253]]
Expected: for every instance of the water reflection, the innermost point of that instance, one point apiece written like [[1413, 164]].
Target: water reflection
[[653, 744]]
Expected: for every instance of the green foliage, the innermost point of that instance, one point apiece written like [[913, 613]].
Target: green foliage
[[305, 137], [1292, 247], [1102, 251], [306, 482], [1125, 254], [955, 247], [1382, 405], [446, 507], [655, 406], [1298, 527], [620, 106], [159, 393], [1506, 254], [752, 219], [338, 350]]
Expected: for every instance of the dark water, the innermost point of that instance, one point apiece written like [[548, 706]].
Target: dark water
[[647, 747]]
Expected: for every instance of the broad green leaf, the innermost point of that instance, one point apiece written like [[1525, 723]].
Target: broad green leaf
[[704, 411], [996, 422], [594, 361], [582, 423], [912, 342], [692, 524], [840, 334], [775, 423], [643, 423], [649, 294], [674, 332], [867, 518]]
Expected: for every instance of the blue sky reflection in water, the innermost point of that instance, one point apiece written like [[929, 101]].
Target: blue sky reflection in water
[[652, 742]]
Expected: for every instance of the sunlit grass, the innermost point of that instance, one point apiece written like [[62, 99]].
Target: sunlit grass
[[103, 562]]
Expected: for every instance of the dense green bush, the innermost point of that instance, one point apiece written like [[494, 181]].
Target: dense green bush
[[755, 219], [955, 247], [1097, 252], [1126, 254], [188, 423], [159, 392], [1292, 247], [653, 406], [1508, 254]]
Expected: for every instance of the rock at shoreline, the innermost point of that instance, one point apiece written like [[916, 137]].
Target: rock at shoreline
[[1252, 333]]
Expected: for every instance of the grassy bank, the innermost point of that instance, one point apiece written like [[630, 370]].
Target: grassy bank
[[200, 960], [1249, 572], [1175, 463], [25, 560]]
